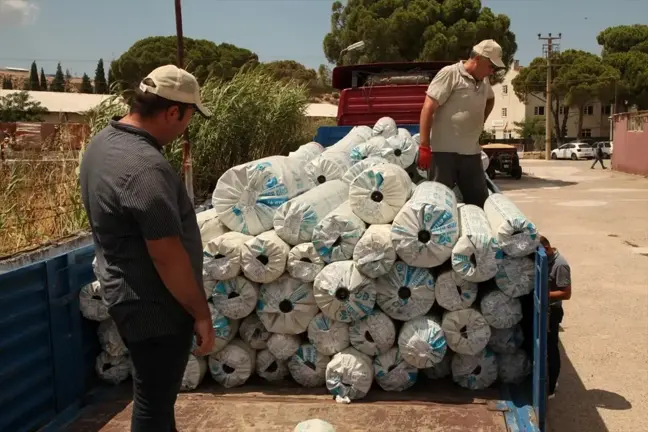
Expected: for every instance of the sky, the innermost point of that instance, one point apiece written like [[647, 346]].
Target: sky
[[79, 32]]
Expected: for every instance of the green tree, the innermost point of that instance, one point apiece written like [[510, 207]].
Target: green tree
[[111, 80], [86, 85], [203, 58], [7, 84], [68, 81], [19, 107], [286, 70], [33, 83], [532, 128], [415, 30], [624, 38], [58, 83], [43, 81], [324, 76], [100, 84]]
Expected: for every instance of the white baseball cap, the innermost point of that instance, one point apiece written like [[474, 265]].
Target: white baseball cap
[[491, 50], [175, 84]]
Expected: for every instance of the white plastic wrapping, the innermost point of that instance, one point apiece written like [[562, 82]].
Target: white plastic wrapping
[[371, 147], [232, 366], [109, 338], [442, 369], [235, 298], [476, 372], [515, 276], [426, 229], [349, 374], [374, 334], [113, 369], [374, 254], [194, 373], [474, 255], [286, 305], [506, 340], [283, 346], [500, 310], [304, 263], [392, 372], [466, 331], [378, 193], [453, 292], [307, 152], [327, 335], [400, 150], [405, 292], [516, 234], [513, 368], [357, 135], [422, 343], [360, 166], [296, 219], [343, 293], [208, 280], [308, 366], [330, 165], [314, 425], [91, 302], [247, 195], [222, 256], [269, 367], [385, 126], [337, 234], [210, 226], [263, 258], [225, 329], [254, 333]]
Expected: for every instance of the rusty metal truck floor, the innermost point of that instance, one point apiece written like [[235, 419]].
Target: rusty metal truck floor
[[429, 406]]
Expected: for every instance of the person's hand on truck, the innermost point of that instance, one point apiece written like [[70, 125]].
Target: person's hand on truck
[[424, 156]]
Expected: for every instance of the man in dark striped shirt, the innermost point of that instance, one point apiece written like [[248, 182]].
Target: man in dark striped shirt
[[147, 242]]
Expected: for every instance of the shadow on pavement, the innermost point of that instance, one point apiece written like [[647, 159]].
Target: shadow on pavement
[[529, 182]]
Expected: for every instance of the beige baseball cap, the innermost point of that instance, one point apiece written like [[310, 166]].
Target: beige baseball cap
[[172, 83], [491, 50]]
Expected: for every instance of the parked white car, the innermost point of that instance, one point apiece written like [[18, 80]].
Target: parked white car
[[607, 147], [573, 151]]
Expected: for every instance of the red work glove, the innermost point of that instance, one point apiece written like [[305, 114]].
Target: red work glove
[[424, 157]]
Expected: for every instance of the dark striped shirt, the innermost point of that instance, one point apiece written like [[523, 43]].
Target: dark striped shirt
[[132, 194]]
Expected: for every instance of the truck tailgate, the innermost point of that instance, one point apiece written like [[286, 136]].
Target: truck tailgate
[[430, 406]]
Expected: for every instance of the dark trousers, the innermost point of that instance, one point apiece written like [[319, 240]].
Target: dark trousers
[[598, 158], [159, 364], [466, 171], [556, 314]]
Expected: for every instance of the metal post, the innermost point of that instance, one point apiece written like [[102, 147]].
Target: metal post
[[548, 114], [187, 166]]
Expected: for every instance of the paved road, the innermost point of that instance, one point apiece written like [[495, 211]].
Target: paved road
[[599, 221]]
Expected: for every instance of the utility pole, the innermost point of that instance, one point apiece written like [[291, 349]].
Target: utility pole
[[548, 48], [187, 164]]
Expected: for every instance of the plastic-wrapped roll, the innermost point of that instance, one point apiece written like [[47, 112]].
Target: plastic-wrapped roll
[[194, 373], [286, 305], [453, 292], [360, 166], [500, 310], [349, 374], [314, 425], [327, 335], [374, 254], [392, 372], [304, 263], [225, 329], [474, 255], [400, 150], [513, 368], [283, 346], [254, 333], [308, 367], [109, 338], [263, 258], [475, 372], [516, 234], [506, 340], [91, 302], [247, 196], [357, 135], [295, 220], [330, 165], [113, 369], [385, 126], [440, 370], [232, 366], [466, 331], [208, 280], [210, 226], [307, 152], [378, 193], [405, 292], [235, 298], [426, 229], [337, 234], [222, 255], [343, 293], [373, 334], [515, 276], [369, 148], [269, 367], [422, 342]]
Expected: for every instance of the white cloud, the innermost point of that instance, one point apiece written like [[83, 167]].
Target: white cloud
[[18, 12]]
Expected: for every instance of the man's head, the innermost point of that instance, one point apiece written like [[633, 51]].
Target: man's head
[[485, 59], [165, 102], [547, 246]]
